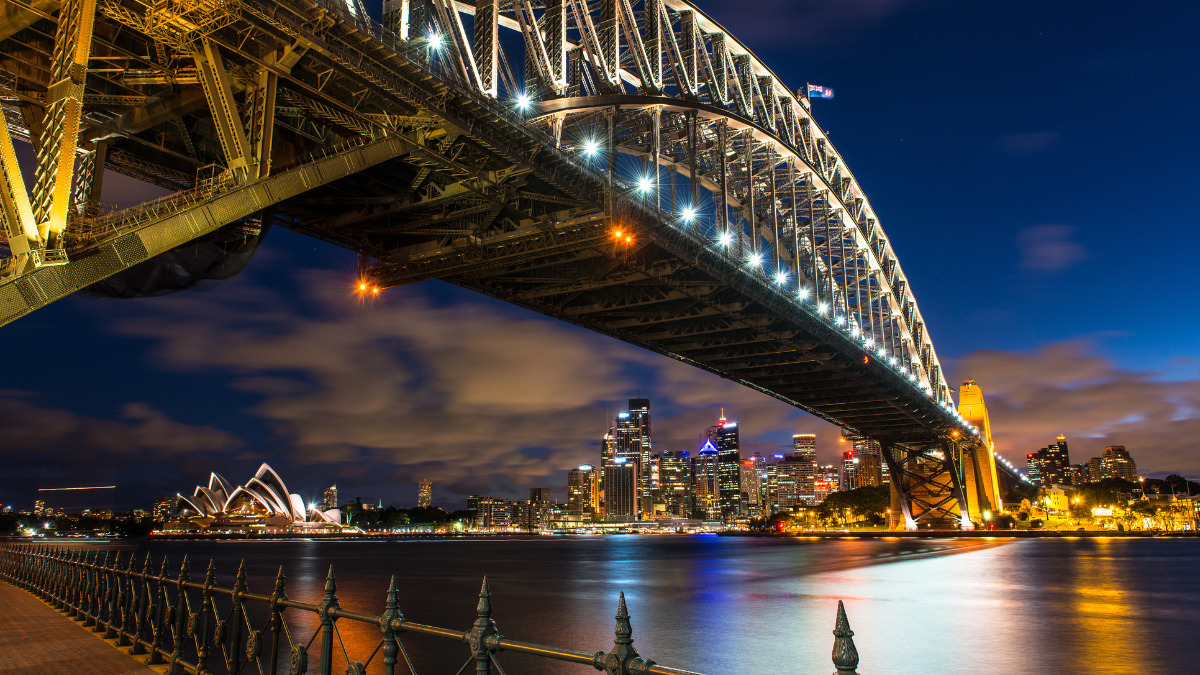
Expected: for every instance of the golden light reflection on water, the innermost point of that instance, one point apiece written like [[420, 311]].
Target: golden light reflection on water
[[1105, 616], [724, 605]]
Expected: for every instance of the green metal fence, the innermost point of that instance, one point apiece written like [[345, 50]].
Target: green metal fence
[[199, 628]]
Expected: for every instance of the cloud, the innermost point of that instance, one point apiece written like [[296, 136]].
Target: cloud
[[474, 395], [50, 447], [1027, 144], [1048, 248], [1068, 388]]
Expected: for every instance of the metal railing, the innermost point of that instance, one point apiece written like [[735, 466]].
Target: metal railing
[[232, 631]]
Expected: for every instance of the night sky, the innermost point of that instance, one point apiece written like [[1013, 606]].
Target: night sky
[[1034, 164]]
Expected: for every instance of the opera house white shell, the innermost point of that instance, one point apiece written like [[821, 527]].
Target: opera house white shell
[[262, 497]]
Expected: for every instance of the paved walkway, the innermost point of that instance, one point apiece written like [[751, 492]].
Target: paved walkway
[[35, 638]]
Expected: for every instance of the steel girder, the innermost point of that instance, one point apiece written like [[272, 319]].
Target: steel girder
[[511, 181]]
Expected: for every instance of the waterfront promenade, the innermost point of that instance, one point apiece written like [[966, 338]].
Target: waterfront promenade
[[36, 638]]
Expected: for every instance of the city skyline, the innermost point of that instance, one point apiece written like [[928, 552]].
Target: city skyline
[[284, 364]]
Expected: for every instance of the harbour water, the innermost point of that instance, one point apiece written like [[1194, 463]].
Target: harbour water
[[762, 605]]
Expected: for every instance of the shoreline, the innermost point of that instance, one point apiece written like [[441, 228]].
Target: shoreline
[[950, 534]]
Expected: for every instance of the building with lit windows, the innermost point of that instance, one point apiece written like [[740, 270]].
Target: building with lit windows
[[848, 478], [164, 508], [704, 482], [424, 494], [751, 489], [729, 473], [830, 474], [804, 454], [621, 491], [330, 499], [675, 483], [1050, 465], [583, 492], [1116, 463]]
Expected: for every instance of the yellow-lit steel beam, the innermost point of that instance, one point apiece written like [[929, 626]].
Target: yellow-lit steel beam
[[264, 119], [60, 132], [15, 210], [214, 79]]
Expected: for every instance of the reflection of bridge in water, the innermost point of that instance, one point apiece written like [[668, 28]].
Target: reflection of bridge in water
[[624, 165]]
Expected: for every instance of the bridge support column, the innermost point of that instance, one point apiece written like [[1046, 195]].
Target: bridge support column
[[926, 485]]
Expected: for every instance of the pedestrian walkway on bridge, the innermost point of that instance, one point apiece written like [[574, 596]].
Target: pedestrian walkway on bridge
[[36, 638]]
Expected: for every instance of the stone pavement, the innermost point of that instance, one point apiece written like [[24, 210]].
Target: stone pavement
[[36, 638]]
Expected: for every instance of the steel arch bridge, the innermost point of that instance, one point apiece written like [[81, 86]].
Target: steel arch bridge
[[625, 165]]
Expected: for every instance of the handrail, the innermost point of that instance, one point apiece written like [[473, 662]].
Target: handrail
[[153, 614]]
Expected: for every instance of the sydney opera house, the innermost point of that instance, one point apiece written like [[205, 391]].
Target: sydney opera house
[[262, 504]]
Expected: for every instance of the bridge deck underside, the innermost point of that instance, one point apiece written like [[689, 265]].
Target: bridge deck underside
[[664, 292]]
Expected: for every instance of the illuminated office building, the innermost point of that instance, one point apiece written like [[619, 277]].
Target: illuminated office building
[[621, 490], [424, 494]]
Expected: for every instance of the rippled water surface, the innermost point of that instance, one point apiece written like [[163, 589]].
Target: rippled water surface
[[750, 605]]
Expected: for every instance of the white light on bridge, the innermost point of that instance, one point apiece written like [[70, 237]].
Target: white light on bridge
[[854, 331], [802, 293], [644, 184], [840, 320], [823, 308], [781, 278], [590, 147], [726, 238], [688, 214], [435, 41], [523, 101], [870, 342], [755, 259]]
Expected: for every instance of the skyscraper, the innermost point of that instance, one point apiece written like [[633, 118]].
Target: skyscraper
[[704, 482], [729, 478], [829, 474], [675, 483], [583, 491], [848, 478], [865, 447], [751, 488], [424, 494], [39, 508], [639, 418], [621, 490], [804, 454]]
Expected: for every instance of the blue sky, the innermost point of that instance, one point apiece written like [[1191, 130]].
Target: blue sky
[[1033, 163]]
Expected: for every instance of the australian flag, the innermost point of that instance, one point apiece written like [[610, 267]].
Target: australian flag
[[817, 91]]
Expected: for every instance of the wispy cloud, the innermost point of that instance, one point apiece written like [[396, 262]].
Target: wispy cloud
[[475, 396], [1049, 248], [1068, 388]]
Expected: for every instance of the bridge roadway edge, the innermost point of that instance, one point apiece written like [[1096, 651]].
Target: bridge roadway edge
[[36, 638]]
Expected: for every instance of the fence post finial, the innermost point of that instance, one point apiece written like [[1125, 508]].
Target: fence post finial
[[845, 656]]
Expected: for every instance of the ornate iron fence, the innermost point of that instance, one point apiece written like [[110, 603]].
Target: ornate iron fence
[[232, 631]]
